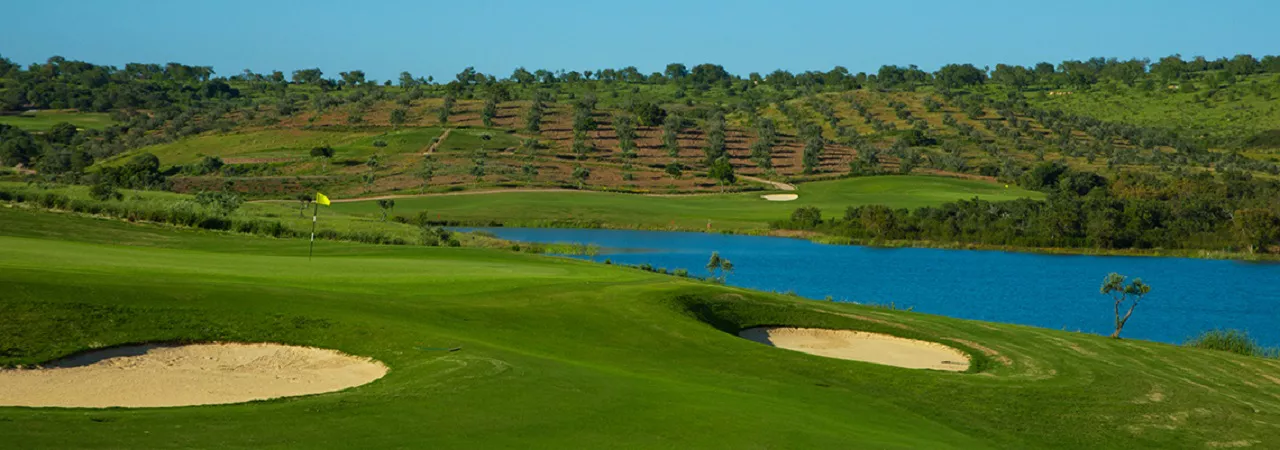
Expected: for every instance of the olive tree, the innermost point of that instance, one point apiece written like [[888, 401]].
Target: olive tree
[[386, 205], [324, 153], [1114, 285]]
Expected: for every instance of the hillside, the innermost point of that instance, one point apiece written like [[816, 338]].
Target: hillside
[[937, 131]]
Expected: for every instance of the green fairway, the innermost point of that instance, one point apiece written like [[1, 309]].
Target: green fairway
[[44, 120], [562, 353], [727, 211]]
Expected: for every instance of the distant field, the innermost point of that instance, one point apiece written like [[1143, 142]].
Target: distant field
[[727, 211], [43, 120], [270, 145]]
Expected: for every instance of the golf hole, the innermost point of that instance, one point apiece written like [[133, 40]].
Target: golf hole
[[862, 346], [160, 375]]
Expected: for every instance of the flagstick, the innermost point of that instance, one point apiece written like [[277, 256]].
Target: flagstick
[[314, 214]]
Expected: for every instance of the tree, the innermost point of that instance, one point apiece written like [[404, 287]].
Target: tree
[[104, 191], [533, 120], [372, 164], [426, 171], [1256, 228], [478, 165], [812, 156], [806, 217], [676, 72], [715, 263], [581, 174], [17, 146], [762, 154], [445, 109], [222, 203], [671, 134], [715, 148], [489, 112], [398, 117], [580, 146], [625, 128], [649, 114], [61, 133], [722, 171], [726, 268], [407, 80], [582, 117], [386, 205], [352, 78], [954, 76], [304, 200], [324, 153], [675, 169], [1114, 285], [307, 76]]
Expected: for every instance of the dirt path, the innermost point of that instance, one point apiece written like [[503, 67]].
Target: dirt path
[[432, 148], [778, 185]]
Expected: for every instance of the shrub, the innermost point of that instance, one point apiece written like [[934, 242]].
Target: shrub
[[103, 192], [1234, 341]]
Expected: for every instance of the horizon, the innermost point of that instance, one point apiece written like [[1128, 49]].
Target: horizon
[[102, 34]]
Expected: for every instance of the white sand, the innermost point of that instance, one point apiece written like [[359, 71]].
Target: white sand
[[198, 374], [780, 197], [862, 346]]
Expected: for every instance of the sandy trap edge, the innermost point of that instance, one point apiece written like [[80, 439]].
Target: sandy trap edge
[[780, 197], [862, 346], [163, 375]]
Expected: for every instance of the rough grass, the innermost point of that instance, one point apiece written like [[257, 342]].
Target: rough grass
[[44, 120], [139, 205], [1234, 341], [560, 353], [746, 211]]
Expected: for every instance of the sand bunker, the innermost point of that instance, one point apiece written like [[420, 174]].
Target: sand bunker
[[182, 375], [780, 197], [862, 346]]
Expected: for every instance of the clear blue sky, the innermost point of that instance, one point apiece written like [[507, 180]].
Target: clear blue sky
[[439, 38]]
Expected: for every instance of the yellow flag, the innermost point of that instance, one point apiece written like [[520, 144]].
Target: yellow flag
[[321, 199]]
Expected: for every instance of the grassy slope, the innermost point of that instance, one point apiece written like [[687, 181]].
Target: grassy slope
[[564, 354], [44, 120], [728, 211], [1233, 113], [288, 213]]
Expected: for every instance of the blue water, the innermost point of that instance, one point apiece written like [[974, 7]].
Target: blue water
[[1052, 291]]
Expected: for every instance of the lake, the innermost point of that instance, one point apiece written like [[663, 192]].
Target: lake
[[1052, 291]]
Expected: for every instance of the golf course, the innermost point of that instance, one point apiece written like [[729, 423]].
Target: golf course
[[554, 353], [682, 225]]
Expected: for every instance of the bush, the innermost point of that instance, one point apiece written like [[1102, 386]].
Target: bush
[[103, 192], [1234, 341]]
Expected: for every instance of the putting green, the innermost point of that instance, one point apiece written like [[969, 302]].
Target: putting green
[[559, 353]]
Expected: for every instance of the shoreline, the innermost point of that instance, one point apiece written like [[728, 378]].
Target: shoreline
[[826, 239]]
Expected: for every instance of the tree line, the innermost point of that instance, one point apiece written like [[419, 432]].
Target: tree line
[[1136, 211]]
